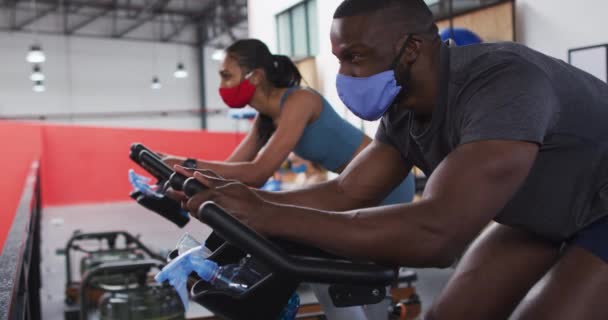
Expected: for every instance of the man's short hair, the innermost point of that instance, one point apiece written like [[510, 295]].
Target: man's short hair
[[414, 14]]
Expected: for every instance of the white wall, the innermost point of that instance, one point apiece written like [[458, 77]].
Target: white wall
[[554, 26], [262, 25], [98, 75], [550, 26]]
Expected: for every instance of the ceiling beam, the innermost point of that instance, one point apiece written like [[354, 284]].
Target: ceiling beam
[[100, 36], [178, 29], [147, 14], [122, 6], [72, 29], [212, 17], [12, 4], [232, 15], [37, 16], [202, 16], [66, 18]]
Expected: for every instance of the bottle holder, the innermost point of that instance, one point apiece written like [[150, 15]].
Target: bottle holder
[[283, 266]]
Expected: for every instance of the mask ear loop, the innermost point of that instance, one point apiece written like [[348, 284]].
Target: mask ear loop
[[396, 61], [401, 51], [248, 75]]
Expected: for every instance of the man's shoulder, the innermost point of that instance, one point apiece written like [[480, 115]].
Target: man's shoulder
[[507, 66], [481, 57]]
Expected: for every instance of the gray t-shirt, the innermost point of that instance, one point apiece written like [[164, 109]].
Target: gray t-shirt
[[506, 91]]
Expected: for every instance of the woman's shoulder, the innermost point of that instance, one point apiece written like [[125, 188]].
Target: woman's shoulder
[[303, 103], [303, 95]]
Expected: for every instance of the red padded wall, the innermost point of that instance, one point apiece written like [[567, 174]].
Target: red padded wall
[[87, 164], [90, 165]]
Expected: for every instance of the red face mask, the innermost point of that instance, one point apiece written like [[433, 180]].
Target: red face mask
[[239, 95]]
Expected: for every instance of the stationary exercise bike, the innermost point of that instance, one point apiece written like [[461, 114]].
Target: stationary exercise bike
[[345, 289], [114, 280]]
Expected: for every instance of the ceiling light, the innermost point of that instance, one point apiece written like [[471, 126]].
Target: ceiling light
[[36, 55], [218, 55], [37, 74], [180, 72], [39, 86], [155, 84]]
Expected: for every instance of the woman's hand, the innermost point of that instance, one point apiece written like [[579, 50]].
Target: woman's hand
[[171, 160]]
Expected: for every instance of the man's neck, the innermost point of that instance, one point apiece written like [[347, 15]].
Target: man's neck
[[423, 89]]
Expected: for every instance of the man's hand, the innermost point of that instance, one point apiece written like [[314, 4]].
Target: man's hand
[[188, 172], [236, 198]]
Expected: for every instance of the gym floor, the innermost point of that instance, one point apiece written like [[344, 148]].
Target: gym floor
[[58, 224]]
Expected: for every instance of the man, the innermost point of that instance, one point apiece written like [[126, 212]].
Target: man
[[503, 132]]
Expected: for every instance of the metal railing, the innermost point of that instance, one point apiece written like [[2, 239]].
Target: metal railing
[[20, 257]]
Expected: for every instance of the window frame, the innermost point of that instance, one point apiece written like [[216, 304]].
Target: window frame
[[289, 12]]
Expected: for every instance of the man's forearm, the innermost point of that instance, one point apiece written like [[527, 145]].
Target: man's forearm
[[393, 235], [322, 196]]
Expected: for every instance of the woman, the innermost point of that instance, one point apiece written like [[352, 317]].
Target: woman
[[290, 118]]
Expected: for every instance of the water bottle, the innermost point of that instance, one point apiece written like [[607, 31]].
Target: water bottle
[[237, 277], [232, 277], [187, 242], [291, 309]]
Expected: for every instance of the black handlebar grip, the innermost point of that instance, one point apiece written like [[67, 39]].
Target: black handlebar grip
[[154, 165], [176, 181], [193, 186], [136, 149]]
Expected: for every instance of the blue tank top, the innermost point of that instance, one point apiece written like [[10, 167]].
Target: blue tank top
[[330, 140]]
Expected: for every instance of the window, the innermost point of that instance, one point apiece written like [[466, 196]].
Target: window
[[441, 8], [297, 32]]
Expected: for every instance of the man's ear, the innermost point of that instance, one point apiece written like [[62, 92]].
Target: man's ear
[[411, 50]]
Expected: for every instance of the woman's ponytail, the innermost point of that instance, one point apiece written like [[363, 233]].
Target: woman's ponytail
[[284, 72]]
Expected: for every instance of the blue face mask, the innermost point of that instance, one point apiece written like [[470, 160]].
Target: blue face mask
[[369, 97], [299, 169]]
